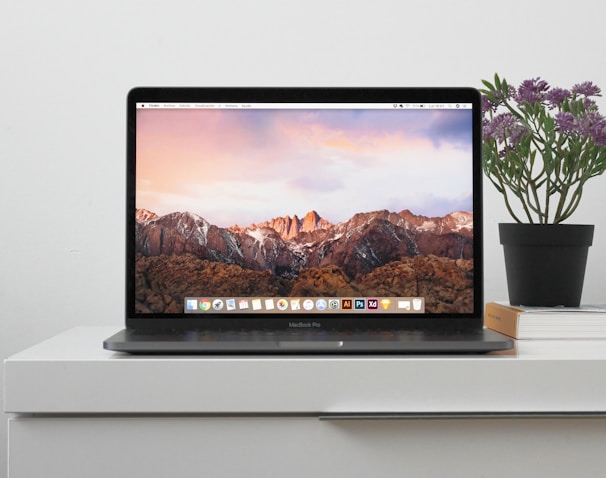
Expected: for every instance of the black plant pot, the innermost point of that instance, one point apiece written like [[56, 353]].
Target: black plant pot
[[545, 263]]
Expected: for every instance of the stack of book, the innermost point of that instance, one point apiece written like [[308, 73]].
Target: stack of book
[[520, 322]]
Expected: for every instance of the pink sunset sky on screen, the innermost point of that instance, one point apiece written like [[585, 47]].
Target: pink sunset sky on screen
[[245, 166]]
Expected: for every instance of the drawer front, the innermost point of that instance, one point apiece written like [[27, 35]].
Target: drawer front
[[303, 447]]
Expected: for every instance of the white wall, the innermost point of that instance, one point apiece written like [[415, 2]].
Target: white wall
[[66, 65]]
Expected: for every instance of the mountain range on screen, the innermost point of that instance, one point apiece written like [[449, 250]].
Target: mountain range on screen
[[378, 253]]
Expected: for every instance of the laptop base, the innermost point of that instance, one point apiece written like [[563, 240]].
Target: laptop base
[[306, 342]]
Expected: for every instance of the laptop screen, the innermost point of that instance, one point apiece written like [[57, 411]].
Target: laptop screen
[[284, 204]]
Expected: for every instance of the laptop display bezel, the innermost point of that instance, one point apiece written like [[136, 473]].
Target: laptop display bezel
[[303, 95]]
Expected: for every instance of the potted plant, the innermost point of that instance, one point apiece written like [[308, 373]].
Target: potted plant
[[540, 147]]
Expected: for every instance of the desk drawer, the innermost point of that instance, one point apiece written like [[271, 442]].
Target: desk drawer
[[160, 447]]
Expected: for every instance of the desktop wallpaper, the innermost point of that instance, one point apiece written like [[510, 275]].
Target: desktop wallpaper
[[304, 203]]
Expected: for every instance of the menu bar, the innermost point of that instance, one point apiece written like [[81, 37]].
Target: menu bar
[[336, 106]]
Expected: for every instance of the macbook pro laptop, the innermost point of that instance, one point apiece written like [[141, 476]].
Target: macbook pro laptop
[[304, 220]]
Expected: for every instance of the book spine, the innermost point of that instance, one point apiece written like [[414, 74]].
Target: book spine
[[502, 319]]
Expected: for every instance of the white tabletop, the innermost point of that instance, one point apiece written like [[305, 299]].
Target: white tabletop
[[72, 373]]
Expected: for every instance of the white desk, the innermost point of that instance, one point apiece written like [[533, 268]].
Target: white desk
[[78, 410]]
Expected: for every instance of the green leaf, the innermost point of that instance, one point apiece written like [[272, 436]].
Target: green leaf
[[488, 85]]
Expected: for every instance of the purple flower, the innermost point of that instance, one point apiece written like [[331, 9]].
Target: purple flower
[[504, 128], [566, 122], [586, 88], [593, 124], [589, 104], [510, 93], [532, 91], [487, 105], [600, 138], [556, 96]]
